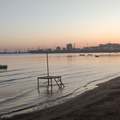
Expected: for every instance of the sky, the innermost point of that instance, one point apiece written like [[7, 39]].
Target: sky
[[29, 24]]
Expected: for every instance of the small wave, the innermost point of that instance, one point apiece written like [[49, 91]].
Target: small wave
[[11, 70], [16, 79], [17, 96], [3, 81], [19, 73], [84, 86]]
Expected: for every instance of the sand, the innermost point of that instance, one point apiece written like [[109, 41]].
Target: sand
[[100, 103]]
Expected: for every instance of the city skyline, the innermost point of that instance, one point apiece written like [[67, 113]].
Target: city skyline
[[113, 47], [50, 23]]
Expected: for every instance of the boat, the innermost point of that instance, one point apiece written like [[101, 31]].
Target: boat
[[89, 54], [96, 55], [82, 54], [3, 66]]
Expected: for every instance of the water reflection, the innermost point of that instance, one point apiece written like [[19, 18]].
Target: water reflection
[[76, 71]]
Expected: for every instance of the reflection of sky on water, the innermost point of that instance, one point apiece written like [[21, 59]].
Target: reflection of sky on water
[[18, 84]]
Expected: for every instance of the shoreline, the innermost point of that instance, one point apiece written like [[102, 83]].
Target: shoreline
[[101, 103]]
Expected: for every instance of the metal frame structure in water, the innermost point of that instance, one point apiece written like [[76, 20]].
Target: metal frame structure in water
[[57, 79]]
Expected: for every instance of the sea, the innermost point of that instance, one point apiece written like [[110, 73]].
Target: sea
[[19, 91]]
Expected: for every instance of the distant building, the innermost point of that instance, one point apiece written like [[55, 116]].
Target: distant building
[[49, 49], [69, 47], [64, 49], [115, 46], [92, 48], [109, 46], [76, 49], [58, 48]]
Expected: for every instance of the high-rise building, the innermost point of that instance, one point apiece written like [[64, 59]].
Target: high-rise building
[[69, 47]]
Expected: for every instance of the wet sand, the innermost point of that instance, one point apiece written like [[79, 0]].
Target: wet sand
[[100, 103]]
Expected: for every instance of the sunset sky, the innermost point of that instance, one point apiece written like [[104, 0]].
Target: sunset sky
[[50, 23]]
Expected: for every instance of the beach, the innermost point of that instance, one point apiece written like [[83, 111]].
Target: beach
[[100, 103]]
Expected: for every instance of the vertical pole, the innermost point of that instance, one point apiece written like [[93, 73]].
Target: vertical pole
[[47, 64], [47, 67], [38, 83], [51, 85], [48, 83]]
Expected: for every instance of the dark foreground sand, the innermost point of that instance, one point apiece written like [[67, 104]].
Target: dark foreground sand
[[101, 103]]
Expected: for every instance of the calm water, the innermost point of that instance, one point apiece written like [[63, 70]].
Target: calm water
[[18, 84]]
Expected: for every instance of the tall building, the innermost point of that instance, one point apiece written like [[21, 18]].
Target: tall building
[[69, 47]]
